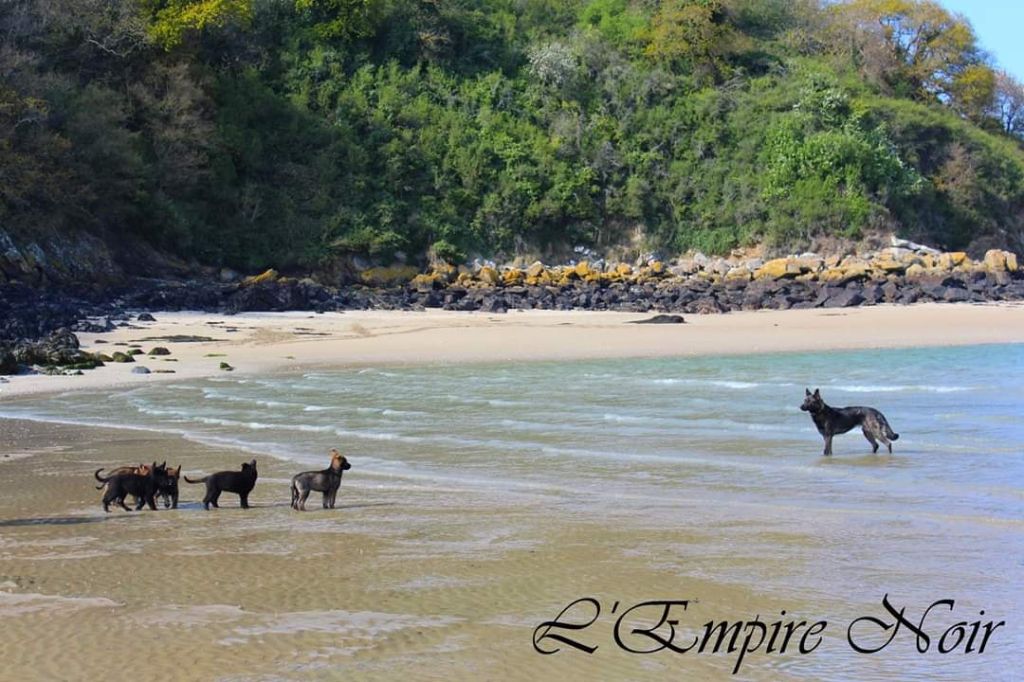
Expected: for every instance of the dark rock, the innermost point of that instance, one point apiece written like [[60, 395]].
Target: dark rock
[[661, 319], [844, 298], [140, 370], [121, 357], [955, 295], [159, 350], [145, 317]]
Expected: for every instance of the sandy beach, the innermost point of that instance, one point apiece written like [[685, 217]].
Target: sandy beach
[[257, 343], [420, 578]]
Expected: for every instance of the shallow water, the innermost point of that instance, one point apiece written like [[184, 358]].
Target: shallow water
[[715, 444]]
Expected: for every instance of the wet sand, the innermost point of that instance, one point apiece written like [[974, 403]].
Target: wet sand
[[393, 584]]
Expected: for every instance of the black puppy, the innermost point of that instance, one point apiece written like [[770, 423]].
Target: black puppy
[[239, 482], [833, 420], [169, 488], [326, 481], [143, 486]]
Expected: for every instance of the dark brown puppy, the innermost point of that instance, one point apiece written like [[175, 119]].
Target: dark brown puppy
[[239, 482], [326, 482], [143, 487], [141, 470], [835, 420]]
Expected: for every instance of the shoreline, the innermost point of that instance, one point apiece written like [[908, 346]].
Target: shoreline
[[441, 561], [261, 343]]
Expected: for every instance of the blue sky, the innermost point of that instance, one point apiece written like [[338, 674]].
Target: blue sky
[[999, 25]]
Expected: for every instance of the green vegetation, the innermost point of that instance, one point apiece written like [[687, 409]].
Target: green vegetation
[[287, 133]]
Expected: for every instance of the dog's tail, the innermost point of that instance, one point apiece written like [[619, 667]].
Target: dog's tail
[[100, 478], [889, 433], [198, 480]]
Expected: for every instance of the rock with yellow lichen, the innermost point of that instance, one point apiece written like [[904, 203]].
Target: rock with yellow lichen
[[1000, 261], [394, 275], [513, 277], [269, 275], [488, 276]]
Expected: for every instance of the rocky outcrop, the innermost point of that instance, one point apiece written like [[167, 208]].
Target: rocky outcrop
[[692, 284]]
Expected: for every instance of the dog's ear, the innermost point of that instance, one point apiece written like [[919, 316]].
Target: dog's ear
[[817, 393], [807, 391]]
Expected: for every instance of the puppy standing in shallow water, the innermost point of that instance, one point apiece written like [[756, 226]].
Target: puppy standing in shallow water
[[142, 486], [238, 482], [326, 481], [834, 420], [168, 486]]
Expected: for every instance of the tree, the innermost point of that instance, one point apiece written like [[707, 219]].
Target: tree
[[172, 20], [1008, 104], [914, 47], [691, 32]]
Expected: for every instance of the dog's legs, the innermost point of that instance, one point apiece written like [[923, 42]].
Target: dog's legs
[[244, 497], [886, 442], [871, 439], [123, 505], [828, 445], [302, 499]]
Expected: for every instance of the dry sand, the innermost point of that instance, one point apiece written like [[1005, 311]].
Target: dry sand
[[267, 342]]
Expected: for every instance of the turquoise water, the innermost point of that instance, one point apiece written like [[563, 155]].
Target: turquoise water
[[715, 442]]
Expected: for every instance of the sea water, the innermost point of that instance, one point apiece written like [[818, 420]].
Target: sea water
[[718, 442]]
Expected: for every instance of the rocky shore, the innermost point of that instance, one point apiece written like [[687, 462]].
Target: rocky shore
[[37, 325]]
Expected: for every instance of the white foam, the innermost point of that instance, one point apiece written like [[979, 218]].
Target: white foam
[[889, 388], [22, 603], [343, 624]]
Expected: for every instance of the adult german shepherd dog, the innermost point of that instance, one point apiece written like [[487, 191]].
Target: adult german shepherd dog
[[238, 482], [833, 420], [326, 482]]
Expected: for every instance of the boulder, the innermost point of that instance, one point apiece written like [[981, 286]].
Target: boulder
[[1000, 261], [780, 268], [949, 261], [513, 277], [661, 319], [426, 282], [118, 356], [140, 370], [489, 276], [739, 273], [159, 350], [268, 275], [396, 275]]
